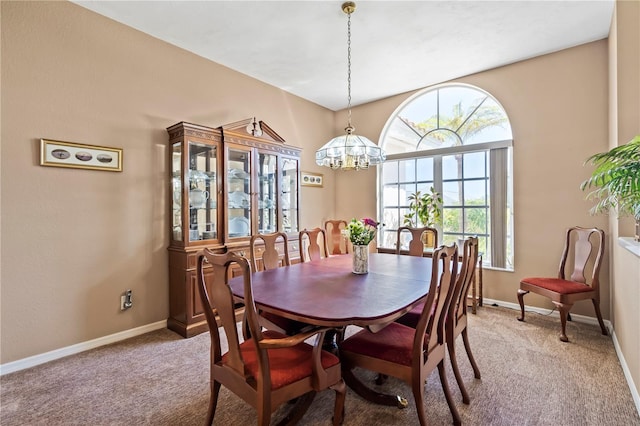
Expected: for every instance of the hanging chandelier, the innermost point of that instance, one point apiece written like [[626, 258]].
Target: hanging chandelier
[[349, 151]]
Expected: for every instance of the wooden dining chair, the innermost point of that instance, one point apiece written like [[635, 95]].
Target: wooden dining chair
[[416, 243], [272, 258], [316, 244], [269, 368], [407, 353], [416, 248], [456, 322], [583, 250], [338, 242]]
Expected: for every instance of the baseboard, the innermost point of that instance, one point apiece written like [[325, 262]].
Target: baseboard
[[574, 317], [32, 361], [585, 320], [627, 373]]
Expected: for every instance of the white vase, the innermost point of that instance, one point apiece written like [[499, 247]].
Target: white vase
[[360, 259]]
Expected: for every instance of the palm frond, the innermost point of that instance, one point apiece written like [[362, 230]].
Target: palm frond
[[615, 181]]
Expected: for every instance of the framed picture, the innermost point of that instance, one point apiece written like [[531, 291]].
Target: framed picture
[[312, 179], [80, 156]]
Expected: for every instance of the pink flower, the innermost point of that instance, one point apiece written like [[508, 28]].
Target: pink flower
[[370, 222]]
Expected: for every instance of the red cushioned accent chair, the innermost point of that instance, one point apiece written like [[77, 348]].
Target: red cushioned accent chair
[[272, 258], [583, 250], [313, 244], [269, 368], [338, 242], [409, 354], [457, 319]]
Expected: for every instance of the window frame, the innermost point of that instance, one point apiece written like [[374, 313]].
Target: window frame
[[504, 170]]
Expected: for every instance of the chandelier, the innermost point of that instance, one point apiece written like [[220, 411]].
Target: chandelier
[[349, 151]]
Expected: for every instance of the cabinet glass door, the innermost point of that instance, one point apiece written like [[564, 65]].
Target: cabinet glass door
[[267, 193], [239, 193], [202, 195], [176, 191], [289, 196]]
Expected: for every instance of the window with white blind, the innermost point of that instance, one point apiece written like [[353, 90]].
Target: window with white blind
[[457, 139]]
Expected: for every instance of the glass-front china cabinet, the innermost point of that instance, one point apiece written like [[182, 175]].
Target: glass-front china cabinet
[[226, 184]]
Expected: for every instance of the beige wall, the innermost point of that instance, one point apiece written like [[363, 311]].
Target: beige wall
[[557, 105], [624, 116], [74, 240]]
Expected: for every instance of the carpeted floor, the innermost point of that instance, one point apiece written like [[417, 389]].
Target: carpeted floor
[[529, 377]]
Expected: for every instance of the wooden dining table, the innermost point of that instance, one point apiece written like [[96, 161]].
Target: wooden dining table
[[326, 292]]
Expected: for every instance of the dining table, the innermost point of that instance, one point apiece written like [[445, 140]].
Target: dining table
[[326, 292]]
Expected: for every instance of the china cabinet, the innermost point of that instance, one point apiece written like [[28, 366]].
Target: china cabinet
[[226, 184]]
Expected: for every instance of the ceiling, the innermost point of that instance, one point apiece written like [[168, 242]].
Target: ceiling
[[397, 46]]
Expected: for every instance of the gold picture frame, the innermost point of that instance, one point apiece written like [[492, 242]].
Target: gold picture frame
[[312, 179], [80, 156]]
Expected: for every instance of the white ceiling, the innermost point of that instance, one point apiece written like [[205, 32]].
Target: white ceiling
[[397, 46]]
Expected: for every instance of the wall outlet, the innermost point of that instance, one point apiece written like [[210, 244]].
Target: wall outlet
[[126, 300]]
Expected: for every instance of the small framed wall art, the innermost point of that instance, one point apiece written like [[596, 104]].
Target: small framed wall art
[[312, 179], [80, 156]]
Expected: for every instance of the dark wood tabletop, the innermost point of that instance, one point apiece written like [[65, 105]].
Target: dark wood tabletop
[[327, 293]]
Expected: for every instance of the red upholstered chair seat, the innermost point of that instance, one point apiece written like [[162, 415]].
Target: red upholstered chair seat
[[412, 317], [287, 365], [393, 343], [558, 285]]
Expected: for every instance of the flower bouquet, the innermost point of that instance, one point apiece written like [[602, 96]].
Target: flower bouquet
[[361, 233]]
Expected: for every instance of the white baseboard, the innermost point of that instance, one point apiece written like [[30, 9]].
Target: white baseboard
[[585, 320], [32, 361], [627, 373], [554, 313]]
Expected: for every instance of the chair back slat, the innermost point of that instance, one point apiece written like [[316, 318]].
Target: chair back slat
[[416, 243], [433, 317], [466, 275], [316, 244], [271, 257], [584, 248], [338, 243]]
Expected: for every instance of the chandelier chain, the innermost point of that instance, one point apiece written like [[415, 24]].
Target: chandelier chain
[[349, 68]]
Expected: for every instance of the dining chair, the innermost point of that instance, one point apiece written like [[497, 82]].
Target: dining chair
[[407, 353], [456, 321], [316, 246], [416, 243], [271, 259], [269, 368], [416, 248], [271, 256], [338, 242], [583, 251]]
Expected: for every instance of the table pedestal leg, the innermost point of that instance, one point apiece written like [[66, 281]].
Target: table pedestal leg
[[329, 344], [300, 407], [369, 394]]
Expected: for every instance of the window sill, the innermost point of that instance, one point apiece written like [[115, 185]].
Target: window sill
[[629, 244]]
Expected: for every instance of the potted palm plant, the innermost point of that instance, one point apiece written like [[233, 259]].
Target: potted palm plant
[[424, 210], [615, 182]]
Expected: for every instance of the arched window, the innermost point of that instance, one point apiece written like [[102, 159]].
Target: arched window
[[457, 139]]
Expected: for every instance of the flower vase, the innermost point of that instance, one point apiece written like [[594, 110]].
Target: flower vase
[[360, 259]]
